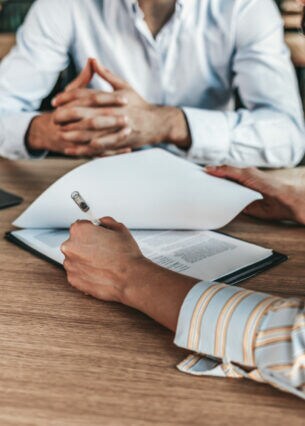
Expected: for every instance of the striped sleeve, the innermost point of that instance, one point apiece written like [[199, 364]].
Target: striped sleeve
[[233, 332]]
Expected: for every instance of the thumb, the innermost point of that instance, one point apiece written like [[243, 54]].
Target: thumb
[[112, 224], [250, 177], [259, 210], [83, 79], [116, 82]]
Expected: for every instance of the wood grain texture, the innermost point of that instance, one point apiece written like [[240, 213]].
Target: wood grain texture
[[70, 360]]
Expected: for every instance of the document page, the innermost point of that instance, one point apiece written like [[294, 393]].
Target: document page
[[44, 241], [204, 255], [151, 189]]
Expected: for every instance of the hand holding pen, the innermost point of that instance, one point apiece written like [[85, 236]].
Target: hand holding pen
[[84, 207]]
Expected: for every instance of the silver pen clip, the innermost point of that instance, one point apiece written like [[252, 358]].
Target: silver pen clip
[[82, 204]]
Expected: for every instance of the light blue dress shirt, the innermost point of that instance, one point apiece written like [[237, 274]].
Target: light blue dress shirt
[[207, 50]]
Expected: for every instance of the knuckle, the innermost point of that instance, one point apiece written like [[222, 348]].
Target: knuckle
[[75, 111], [95, 143], [71, 152], [121, 137], [74, 228], [94, 98], [69, 96], [76, 93], [122, 120], [118, 97], [66, 137], [67, 264], [87, 152], [108, 111], [81, 224], [94, 123], [64, 248], [57, 114]]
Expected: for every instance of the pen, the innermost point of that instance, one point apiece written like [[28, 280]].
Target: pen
[[84, 207]]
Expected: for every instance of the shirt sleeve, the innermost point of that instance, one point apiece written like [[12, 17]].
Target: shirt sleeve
[[269, 130], [234, 332], [30, 71]]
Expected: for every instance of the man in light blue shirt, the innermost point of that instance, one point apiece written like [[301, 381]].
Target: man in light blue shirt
[[174, 65]]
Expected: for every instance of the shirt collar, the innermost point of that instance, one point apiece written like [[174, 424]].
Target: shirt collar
[[134, 8]]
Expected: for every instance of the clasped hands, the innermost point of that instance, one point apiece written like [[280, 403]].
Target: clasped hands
[[96, 123]]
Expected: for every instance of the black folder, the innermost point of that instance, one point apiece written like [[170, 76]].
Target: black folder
[[233, 278]]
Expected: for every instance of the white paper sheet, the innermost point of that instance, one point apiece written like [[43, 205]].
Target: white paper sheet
[[203, 255], [151, 189]]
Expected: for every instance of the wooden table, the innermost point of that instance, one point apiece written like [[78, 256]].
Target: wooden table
[[67, 359]]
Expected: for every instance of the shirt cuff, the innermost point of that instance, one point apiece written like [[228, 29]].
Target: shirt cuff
[[13, 129], [210, 135], [221, 321], [279, 346]]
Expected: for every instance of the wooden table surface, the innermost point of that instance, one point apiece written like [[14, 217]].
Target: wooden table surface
[[67, 359]]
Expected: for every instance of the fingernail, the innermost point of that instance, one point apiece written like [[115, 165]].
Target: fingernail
[[211, 168], [54, 102]]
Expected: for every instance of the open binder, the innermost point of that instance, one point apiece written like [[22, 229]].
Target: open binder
[[170, 205]]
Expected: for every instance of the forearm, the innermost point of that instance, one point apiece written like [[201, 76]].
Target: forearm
[[233, 332], [157, 292]]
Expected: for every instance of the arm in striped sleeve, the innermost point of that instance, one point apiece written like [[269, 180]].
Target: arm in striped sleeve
[[234, 332]]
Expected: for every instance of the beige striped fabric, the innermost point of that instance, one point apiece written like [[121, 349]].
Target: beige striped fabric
[[238, 333]]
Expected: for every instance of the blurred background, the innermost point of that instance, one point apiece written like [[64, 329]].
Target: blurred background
[[13, 12]]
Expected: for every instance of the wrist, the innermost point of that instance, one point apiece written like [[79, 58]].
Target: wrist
[[30, 137], [136, 279], [157, 292], [33, 139], [289, 196], [172, 127]]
